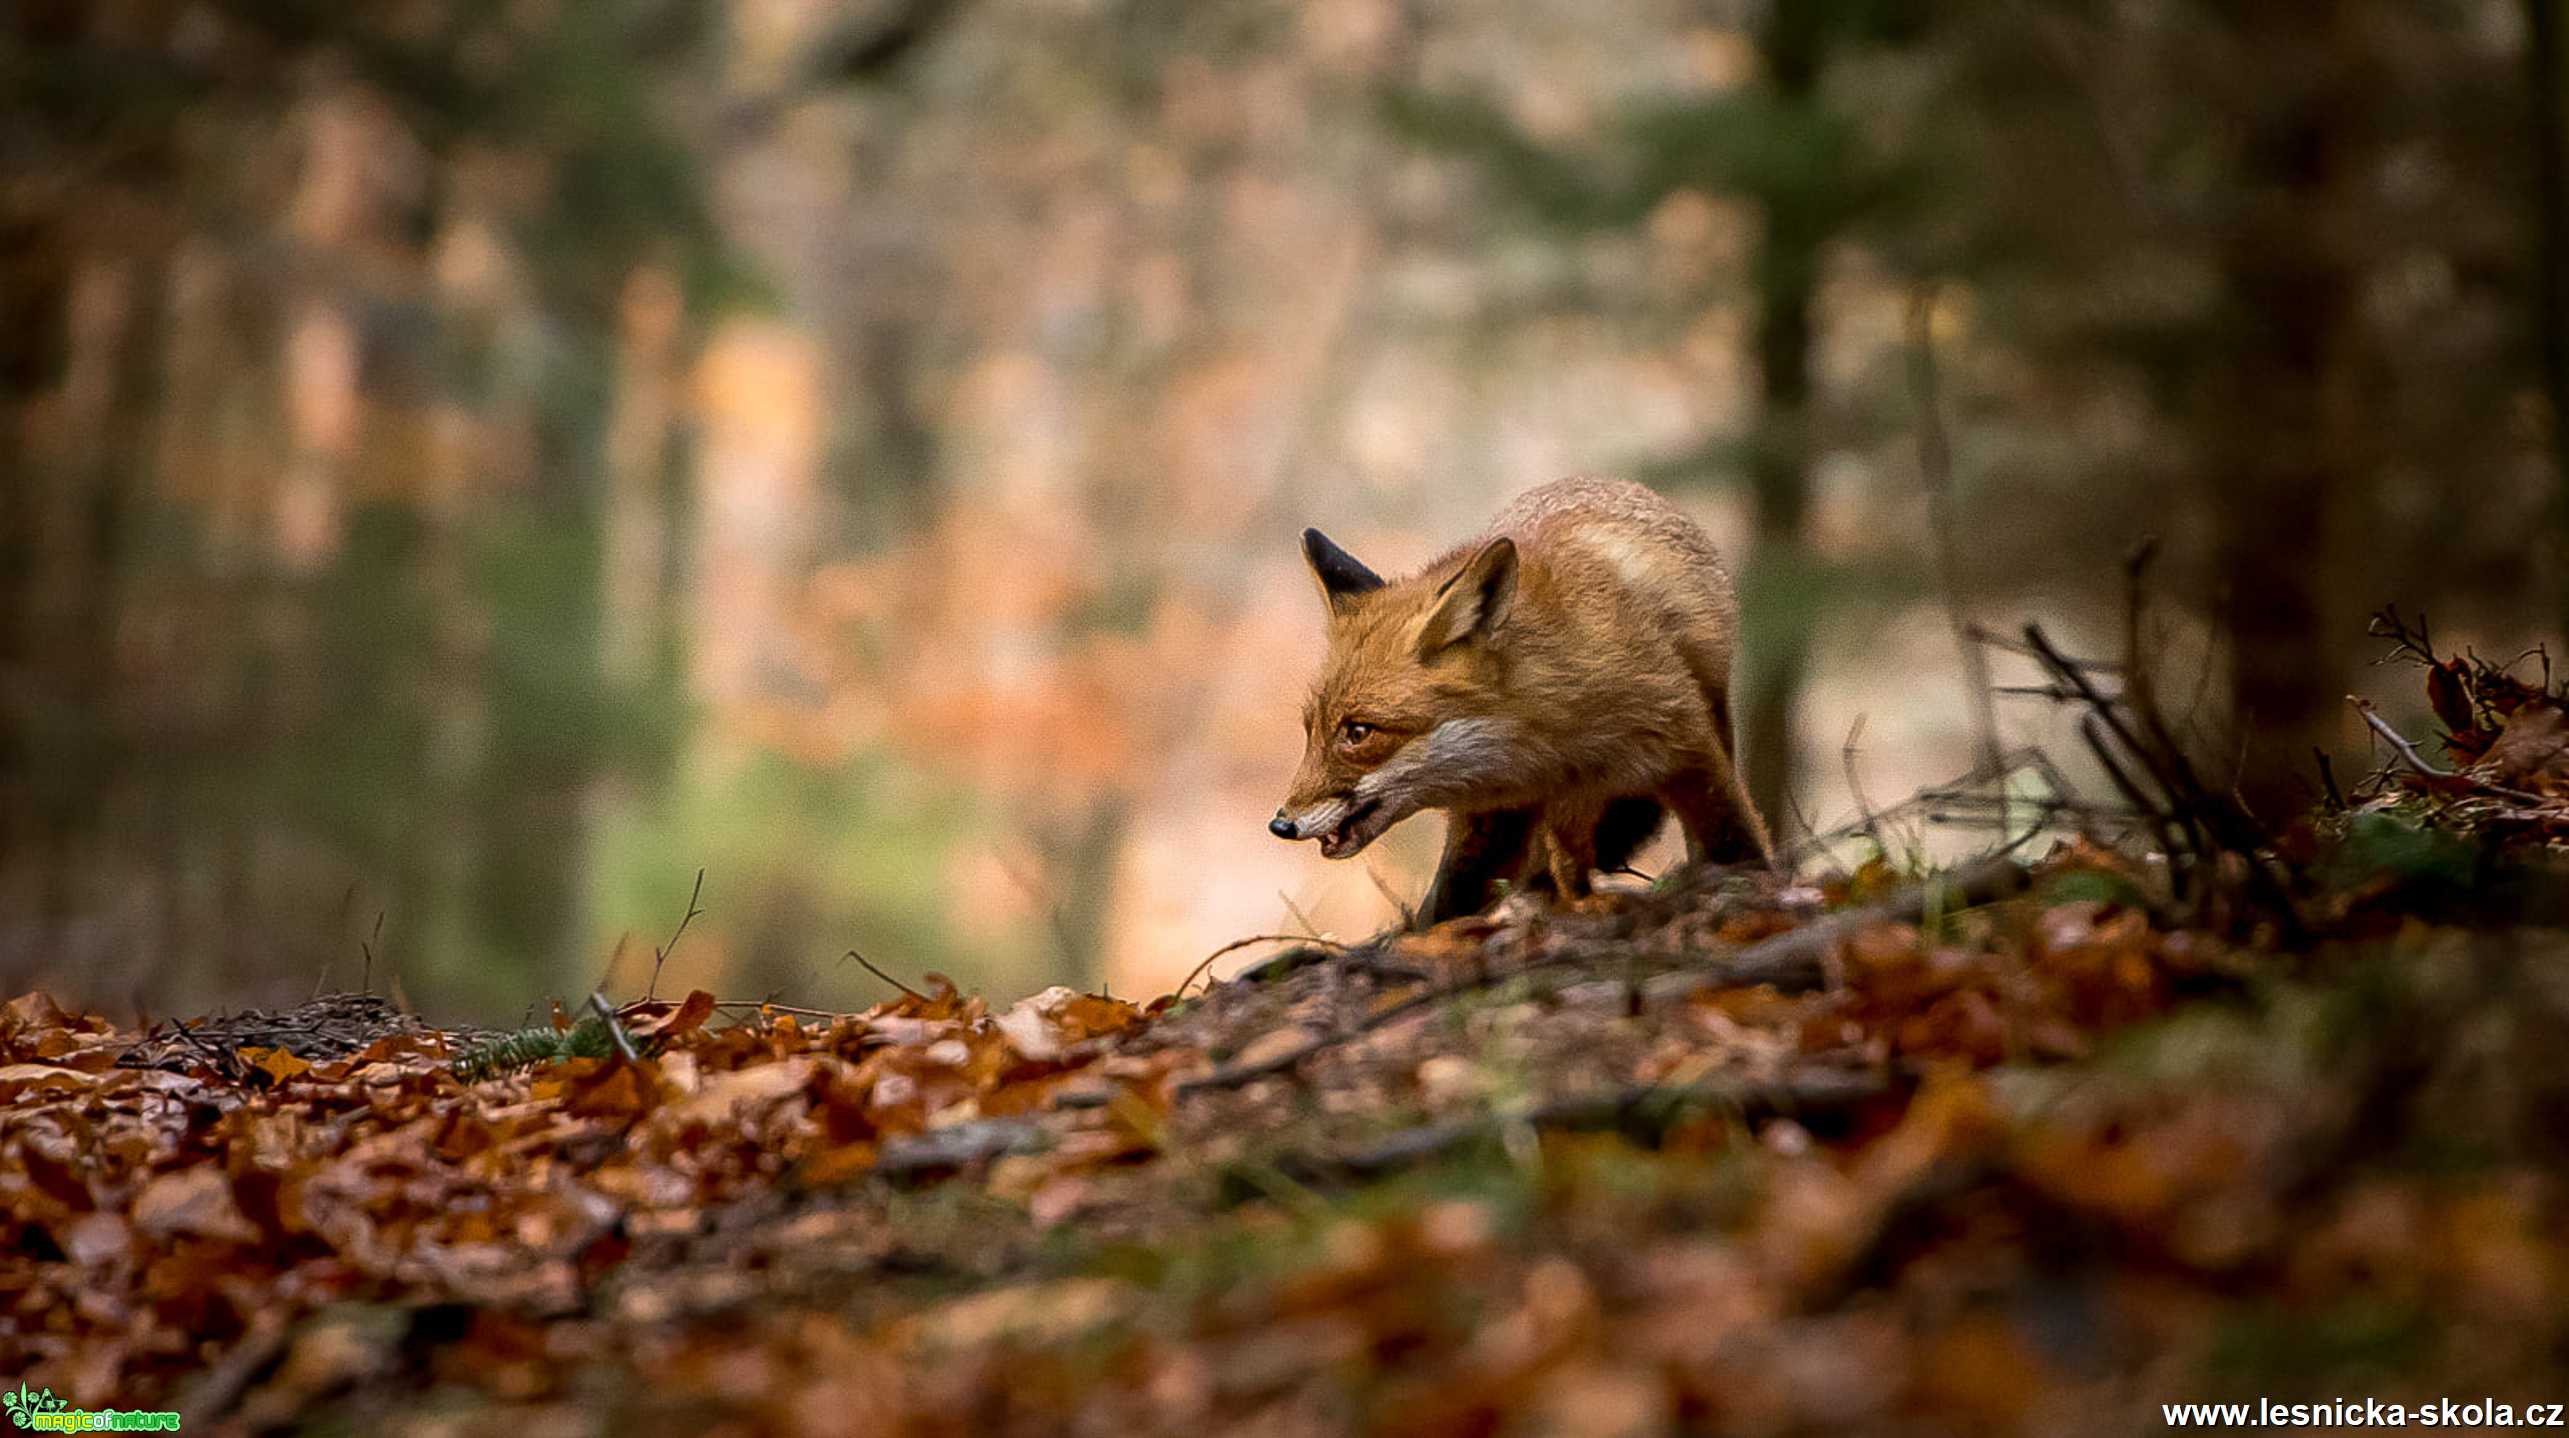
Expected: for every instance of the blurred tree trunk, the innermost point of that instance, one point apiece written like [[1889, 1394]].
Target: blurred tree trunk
[[2550, 139], [1792, 41], [33, 283], [635, 566], [2274, 444], [1085, 858], [124, 773]]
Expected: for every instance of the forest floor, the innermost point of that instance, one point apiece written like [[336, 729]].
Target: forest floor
[[2028, 1148]]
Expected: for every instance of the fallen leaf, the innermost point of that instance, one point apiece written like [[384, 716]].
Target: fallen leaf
[[279, 1064], [192, 1202]]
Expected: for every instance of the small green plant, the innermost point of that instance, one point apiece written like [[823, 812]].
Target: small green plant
[[529, 1047], [2388, 846]]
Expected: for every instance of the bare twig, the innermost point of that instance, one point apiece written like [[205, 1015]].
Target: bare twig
[[1400, 906], [1299, 916], [2408, 641], [2023, 758], [1047, 897], [338, 926], [366, 946], [226, 1064], [1236, 945], [1871, 826], [2171, 840], [660, 956], [2140, 691], [1935, 466], [2328, 780], [770, 1005], [615, 956], [2211, 822], [2397, 741], [2006, 645], [2416, 761], [2108, 711], [868, 965]]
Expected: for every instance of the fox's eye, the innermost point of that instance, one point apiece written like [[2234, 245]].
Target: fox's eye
[[1355, 731]]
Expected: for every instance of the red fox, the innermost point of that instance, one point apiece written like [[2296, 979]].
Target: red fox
[[1556, 686]]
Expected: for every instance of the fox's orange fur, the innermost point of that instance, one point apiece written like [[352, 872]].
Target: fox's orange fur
[[1553, 685]]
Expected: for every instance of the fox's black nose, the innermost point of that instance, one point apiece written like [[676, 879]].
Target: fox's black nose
[[1281, 827]]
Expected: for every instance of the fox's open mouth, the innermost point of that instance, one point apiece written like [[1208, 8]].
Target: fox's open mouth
[[1353, 832]]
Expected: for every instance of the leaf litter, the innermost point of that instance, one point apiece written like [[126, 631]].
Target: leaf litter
[[2013, 1150]]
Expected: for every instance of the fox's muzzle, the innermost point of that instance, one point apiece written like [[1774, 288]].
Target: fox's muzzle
[[1343, 824]]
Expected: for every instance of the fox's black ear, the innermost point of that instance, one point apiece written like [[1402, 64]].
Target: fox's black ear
[[1342, 575], [1474, 602]]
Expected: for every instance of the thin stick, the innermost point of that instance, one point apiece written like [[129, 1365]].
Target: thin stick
[[615, 957], [2328, 780], [2140, 692], [868, 965], [1991, 638], [1382, 886], [1871, 827], [226, 1064], [1299, 916], [338, 926], [767, 1005], [660, 956], [2408, 753], [1045, 896], [1236, 945], [1935, 466], [2406, 750], [367, 947], [2092, 730]]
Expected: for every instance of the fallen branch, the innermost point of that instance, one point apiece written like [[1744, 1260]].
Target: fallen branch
[[1648, 1111], [2416, 761], [1233, 947], [1798, 961], [1793, 961]]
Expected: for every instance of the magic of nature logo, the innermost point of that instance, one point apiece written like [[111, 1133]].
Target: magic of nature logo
[[37, 1409]]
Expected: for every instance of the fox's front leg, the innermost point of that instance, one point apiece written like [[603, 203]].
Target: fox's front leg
[[1570, 832], [1721, 822], [1480, 850]]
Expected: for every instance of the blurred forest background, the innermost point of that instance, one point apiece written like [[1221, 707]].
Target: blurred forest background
[[466, 465]]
